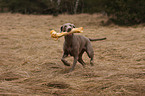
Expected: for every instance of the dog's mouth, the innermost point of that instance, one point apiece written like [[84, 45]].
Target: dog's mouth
[[69, 29], [69, 35]]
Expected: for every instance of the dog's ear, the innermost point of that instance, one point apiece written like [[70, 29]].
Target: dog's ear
[[61, 29]]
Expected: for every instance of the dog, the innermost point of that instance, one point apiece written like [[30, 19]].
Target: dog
[[76, 45]]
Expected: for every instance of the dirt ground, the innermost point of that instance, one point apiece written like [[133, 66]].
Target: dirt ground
[[30, 62]]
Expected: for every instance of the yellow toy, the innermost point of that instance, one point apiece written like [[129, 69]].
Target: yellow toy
[[56, 35]]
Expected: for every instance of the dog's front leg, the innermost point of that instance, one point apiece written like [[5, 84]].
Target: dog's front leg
[[74, 63], [64, 61]]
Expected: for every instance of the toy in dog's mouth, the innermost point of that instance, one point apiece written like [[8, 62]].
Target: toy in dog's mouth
[[69, 34], [56, 35]]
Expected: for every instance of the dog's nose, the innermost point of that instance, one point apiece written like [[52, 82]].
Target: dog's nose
[[69, 29]]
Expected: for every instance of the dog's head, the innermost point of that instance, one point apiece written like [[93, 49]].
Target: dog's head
[[67, 27]]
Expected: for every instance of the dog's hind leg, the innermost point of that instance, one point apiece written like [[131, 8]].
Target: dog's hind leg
[[81, 60], [90, 53]]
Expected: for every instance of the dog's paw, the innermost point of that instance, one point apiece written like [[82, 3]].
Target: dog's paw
[[66, 64]]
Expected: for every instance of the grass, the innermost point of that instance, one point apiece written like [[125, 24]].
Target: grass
[[31, 66]]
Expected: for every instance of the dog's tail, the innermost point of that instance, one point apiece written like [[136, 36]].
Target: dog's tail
[[97, 39]]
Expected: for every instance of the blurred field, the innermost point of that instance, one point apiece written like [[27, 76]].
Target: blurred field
[[30, 60]]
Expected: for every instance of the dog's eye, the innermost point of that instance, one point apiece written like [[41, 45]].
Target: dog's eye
[[72, 26]]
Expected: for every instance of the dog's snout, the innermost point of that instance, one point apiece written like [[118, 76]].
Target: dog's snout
[[69, 29]]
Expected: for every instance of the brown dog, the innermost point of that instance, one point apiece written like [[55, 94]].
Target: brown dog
[[76, 45]]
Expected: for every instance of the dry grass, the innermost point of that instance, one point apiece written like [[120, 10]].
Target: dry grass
[[30, 60]]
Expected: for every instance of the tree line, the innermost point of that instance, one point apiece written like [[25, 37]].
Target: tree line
[[119, 11]]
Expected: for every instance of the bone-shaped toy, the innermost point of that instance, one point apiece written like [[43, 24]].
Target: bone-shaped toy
[[56, 35]]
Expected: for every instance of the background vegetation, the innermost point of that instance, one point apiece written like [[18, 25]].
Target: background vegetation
[[119, 11]]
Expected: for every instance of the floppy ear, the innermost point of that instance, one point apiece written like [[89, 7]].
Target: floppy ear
[[61, 29]]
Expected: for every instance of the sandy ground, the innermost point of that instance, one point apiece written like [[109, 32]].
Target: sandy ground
[[30, 60]]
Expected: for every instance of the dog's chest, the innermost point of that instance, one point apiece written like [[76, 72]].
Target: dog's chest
[[70, 51]]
